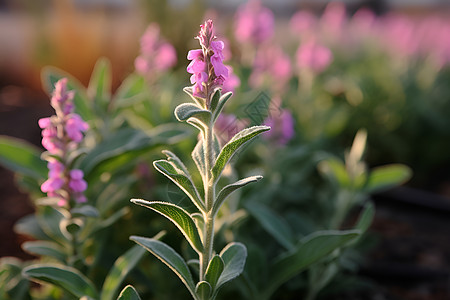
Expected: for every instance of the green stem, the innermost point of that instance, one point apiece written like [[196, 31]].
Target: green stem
[[209, 186]]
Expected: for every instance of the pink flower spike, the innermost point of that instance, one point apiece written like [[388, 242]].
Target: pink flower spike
[[44, 122], [193, 54]]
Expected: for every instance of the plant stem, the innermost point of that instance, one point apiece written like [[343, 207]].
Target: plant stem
[[209, 186]]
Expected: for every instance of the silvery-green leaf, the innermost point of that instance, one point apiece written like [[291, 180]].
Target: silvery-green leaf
[[227, 190], [203, 290], [171, 157], [169, 257], [198, 155], [130, 91], [311, 249], [99, 88], [221, 103], [199, 100], [233, 146], [68, 278], [181, 179], [186, 111], [233, 256], [215, 99], [85, 211], [215, 268], [179, 217], [45, 248], [49, 219], [129, 293], [273, 224]]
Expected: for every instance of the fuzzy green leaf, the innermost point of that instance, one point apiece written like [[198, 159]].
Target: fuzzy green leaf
[[203, 290], [311, 249], [70, 279], [215, 99], [233, 146], [233, 256], [85, 211], [385, 177], [227, 190], [169, 257], [199, 100], [179, 217], [130, 91], [198, 155], [29, 226], [214, 270], [45, 248], [221, 103], [129, 293], [50, 220], [186, 111], [22, 157], [122, 266], [181, 179], [99, 87], [273, 224], [171, 157]]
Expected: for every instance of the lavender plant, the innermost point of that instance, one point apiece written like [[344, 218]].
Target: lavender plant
[[215, 269]]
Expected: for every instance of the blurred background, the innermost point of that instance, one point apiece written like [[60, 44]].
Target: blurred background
[[388, 72]]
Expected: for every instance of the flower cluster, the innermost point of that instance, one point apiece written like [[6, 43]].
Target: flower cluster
[[156, 54], [206, 67], [61, 134]]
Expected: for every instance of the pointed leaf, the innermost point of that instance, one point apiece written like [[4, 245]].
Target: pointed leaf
[[227, 190], [186, 111], [123, 265], [233, 146], [129, 293], [335, 170], [221, 103], [65, 277], [179, 217], [215, 99], [199, 157], [171, 157], [50, 219], [30, 227], [312, 248], [233, 256], [85, 211], [171, 258], [273, 224], [100, 83], [181, 179], [130, 91], [203, 290], [199, 100], [385, 177], [214, 270], [45, 248], [22, 157], [366, 217]]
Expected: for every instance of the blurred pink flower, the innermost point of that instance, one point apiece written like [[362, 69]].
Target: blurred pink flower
[[74, 127], [156, 54], [303, 22], [333, 19], [227, 125], [77, 183], [399, 36], [232, 81], [282, 127], [314, 57], [254, 23]]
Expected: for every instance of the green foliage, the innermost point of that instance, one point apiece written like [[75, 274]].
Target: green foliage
[[129, 293]]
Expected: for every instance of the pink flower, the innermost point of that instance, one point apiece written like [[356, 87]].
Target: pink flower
[[56, 168], [227, 125], [282, 127], [52, 184], [74, 126], [232, 81], [76, 183], [314, 57], [206, 66], [254, 23], [303, 22], [156, 54], [333, 19]]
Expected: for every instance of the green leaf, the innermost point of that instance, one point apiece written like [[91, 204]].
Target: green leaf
[[122, 266], [233, 146], [171, 258], [311, 249], [214, 270], [386, 177], [199, 100], [215, 99], [335, 170], [130, 91], [272, 223], [199, 157], [181, 179], [233, 256], [179, 217], [366, 217], [129, 293], [227, 190], [186, 111], [30, 227], [45, 248], [50, 75], [50, 220], [171, 157], [22, 157], [85, 211], [203, 290], [223, 99], [100, 83], [68, 278]]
